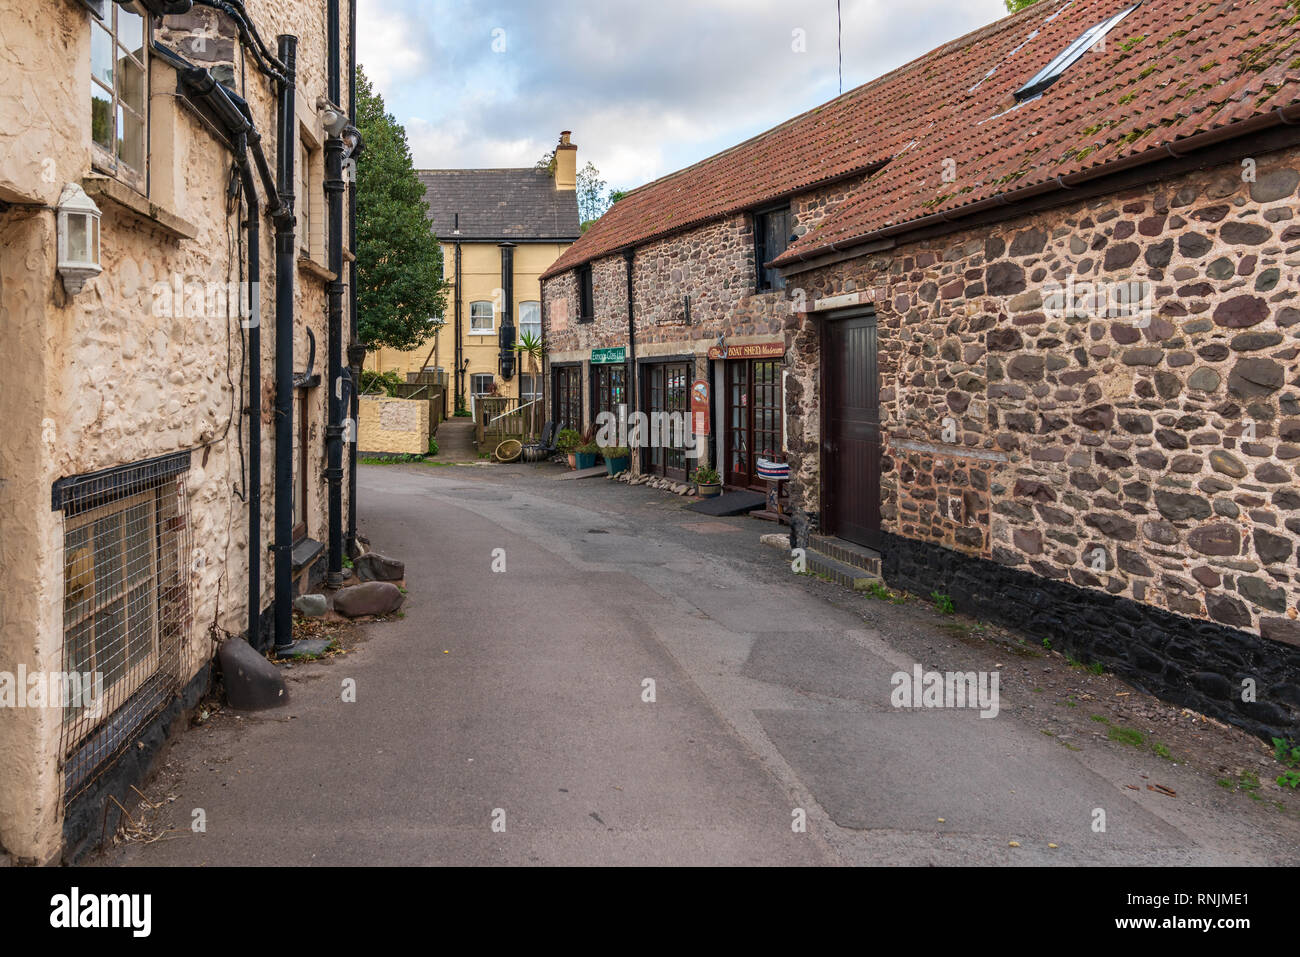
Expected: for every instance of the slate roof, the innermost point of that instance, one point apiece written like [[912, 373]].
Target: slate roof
[[1179, 68], [499, 204]]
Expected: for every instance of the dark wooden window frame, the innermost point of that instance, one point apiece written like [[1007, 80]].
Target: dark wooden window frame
[[768, 279], [602, 397], [559, 397], [586, 294]]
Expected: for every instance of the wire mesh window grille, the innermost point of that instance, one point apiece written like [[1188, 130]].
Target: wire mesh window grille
[[126, 607]]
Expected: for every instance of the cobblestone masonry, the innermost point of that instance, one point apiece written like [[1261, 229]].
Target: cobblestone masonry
[[1150, 456]]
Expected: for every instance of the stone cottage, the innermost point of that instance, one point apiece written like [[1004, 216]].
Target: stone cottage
[[172, 294], [1021, 318]]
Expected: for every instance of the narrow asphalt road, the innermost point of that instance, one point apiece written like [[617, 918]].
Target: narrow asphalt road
[[507, 718]]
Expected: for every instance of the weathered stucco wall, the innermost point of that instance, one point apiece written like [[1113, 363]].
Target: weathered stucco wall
[[126, 371], [395, 426], [1153, 457]]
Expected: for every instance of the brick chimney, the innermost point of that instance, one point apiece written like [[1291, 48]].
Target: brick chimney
[[566, 163]]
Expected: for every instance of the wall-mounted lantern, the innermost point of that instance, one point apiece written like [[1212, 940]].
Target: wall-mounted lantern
[[78, 238]]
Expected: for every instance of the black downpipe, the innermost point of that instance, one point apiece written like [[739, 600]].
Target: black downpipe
[[460, 372], [356, 350], [285, 267], [506, 337], [332, 36], [254, 396], [633, 396], [232, 113], [334, 349]]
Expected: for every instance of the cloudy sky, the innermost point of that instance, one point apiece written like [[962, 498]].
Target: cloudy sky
[[647, 86]]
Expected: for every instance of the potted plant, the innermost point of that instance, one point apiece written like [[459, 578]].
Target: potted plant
[[567, 442], [707, 482], [618, 458], [586, 455]]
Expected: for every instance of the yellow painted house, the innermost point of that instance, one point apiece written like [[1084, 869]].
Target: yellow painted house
[[499, 229]]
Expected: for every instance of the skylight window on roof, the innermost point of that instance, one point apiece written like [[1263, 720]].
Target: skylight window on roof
[[1053, 71]]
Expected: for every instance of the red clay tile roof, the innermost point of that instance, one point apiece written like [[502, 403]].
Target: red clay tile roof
[[851, 134], [1170, 70]]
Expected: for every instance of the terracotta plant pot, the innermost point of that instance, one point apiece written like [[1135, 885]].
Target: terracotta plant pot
[[573, 460]]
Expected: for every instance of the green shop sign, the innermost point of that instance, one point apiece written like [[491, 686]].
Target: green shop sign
[[608, 356]]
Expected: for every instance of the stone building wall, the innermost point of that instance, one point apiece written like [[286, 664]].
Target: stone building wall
[[1151, 456], [121, 373], [712, 264]]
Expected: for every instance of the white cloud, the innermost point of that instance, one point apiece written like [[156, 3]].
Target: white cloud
[[646, 88]]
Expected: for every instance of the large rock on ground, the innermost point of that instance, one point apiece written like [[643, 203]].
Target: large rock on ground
[[313, 606], [373, 567], [369, 598], [252, 682]]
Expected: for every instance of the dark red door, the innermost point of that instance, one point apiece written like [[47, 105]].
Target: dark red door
[[851, 430], [753, 419]]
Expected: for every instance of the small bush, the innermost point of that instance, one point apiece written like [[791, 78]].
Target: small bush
[[374, 383], [943, 603]]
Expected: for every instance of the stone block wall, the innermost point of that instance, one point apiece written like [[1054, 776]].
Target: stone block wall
[[1048, 427], [394, 426], [712, 264]]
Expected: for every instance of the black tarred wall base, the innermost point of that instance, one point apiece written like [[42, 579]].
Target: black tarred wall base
[[1194, 664], [91, 816]]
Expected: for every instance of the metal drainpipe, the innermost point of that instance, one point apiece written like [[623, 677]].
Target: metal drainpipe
[[356, 351], [506, 337], [254, 397], [460, 373], [285, 269], [628, 256], [334, 427]]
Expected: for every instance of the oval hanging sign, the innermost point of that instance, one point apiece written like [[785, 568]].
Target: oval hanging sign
[[755, 350]]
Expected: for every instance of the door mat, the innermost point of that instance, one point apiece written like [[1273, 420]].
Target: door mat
[[729, 503]]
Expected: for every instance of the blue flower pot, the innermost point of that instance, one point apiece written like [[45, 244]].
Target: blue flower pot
[[585, 460], [614, 466]]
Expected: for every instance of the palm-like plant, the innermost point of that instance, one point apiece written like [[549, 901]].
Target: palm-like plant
[[530, 346]]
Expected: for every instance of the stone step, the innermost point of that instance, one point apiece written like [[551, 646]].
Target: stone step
[[845, 574], [849, 553]]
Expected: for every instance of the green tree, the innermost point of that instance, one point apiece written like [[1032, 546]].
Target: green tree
[[1014, 6], [594, 195], [401, 294]]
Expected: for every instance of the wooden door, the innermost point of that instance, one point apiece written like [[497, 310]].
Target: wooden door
[[666, 388], [851, 430], [753, 419], [567, 410]]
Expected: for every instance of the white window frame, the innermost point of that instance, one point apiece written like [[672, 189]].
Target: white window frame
[[527, 395], [475, 376], [536, 324], [491, 317], [109, 159]]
